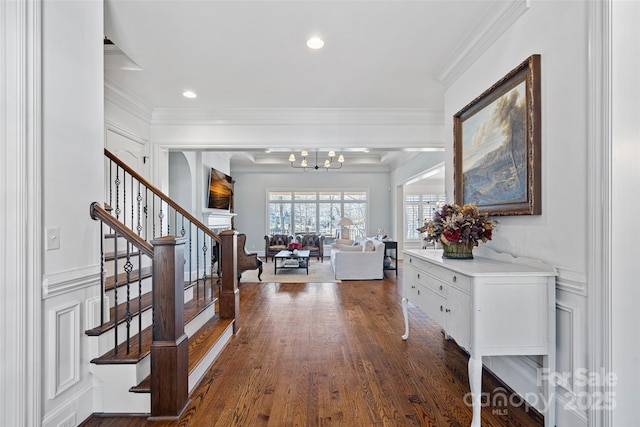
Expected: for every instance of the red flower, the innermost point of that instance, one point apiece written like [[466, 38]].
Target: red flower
[[294, 245], [452, 235]]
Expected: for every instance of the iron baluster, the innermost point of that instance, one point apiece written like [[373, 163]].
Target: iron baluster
[[161, 216], [132, 204], [197, 264], [115, 287], [204, 264], [146, 214], [214, 248], [117, 182], [128, 268], [139, 301], [102, 265], [139, 198], [153, 216], [110, 183]]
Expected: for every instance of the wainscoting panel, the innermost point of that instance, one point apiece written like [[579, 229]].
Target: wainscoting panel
[[571, 363], [567, 322], [64, 341], [523, 373]]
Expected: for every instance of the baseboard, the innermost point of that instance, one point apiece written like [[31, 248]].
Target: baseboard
[[75, 409], [519, 373]]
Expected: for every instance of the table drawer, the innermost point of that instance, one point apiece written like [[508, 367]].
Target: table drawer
[[447, 276], [425, 279]]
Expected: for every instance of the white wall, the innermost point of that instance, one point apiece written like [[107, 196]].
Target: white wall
[[415, 166], [558, 31], [181, 180], [72, 178], [251, 202]]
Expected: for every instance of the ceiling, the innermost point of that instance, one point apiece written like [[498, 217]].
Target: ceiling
[[388, 58]]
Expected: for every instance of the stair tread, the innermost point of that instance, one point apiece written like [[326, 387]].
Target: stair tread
[[122, 311], [110, 256], [199, 345], [191, 309], [134, 276]]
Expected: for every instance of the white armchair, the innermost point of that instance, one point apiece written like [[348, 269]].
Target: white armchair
[[359, 264]]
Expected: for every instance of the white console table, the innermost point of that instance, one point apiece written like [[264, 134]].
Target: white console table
[[493, 305]]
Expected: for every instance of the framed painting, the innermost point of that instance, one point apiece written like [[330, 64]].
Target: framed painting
[[496, 145]]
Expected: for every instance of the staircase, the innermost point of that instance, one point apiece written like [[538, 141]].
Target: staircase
[[169, 298]]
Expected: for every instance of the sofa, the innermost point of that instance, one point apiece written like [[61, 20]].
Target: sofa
[[312, 243], [274, 243], [363, 261]]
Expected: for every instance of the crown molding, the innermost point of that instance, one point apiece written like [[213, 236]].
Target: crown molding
[[125, 100], [479, 39], [298, 116]]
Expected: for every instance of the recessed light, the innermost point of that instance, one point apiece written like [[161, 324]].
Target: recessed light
[[315, 43], [189, 94]]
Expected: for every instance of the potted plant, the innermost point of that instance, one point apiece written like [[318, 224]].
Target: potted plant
[[459, 229]]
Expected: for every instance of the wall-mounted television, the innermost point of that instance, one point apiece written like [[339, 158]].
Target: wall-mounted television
[[220, 190]]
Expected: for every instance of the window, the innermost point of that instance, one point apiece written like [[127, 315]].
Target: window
[[302, 211], [419, 209]]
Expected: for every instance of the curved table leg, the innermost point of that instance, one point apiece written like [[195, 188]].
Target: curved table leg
[[475, 383], [406, 318]]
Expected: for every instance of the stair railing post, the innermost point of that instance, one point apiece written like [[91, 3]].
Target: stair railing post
[[229, 293], [170, 345]]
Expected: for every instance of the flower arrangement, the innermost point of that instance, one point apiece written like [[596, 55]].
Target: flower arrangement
[[461, 227], [294, 246]]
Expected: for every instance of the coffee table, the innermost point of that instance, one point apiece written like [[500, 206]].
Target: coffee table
[[287, 259]]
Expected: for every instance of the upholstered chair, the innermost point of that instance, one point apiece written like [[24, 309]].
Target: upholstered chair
[[275, 243], [246, 260], [312, 243]]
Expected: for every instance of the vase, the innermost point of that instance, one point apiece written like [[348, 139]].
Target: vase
[[458, 251]]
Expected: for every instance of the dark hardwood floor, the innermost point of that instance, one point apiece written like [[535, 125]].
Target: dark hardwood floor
[[325, 354]]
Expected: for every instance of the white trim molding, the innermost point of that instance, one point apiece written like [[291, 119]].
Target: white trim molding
[[128, 102], [298, 116], [70, 280], [485, 34], [118, 130], [599, 346], [571, 281], [63, 338], [21, 214]]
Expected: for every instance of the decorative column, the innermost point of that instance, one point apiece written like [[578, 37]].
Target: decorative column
[[229, 293], [170, 346]]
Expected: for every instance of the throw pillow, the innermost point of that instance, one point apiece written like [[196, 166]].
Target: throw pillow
[[347, 248], [369, 246]]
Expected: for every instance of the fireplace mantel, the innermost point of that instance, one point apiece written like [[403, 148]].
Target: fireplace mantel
[[218, 220]]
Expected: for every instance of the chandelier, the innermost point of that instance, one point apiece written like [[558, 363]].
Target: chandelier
[[328, 163]]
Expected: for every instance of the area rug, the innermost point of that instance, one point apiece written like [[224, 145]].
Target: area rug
[[319, 272]]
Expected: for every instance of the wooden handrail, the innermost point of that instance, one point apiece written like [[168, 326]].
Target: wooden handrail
[[97, 212], [163, 196]]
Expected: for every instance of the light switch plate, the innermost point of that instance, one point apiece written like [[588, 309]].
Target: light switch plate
[[52, 238]]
